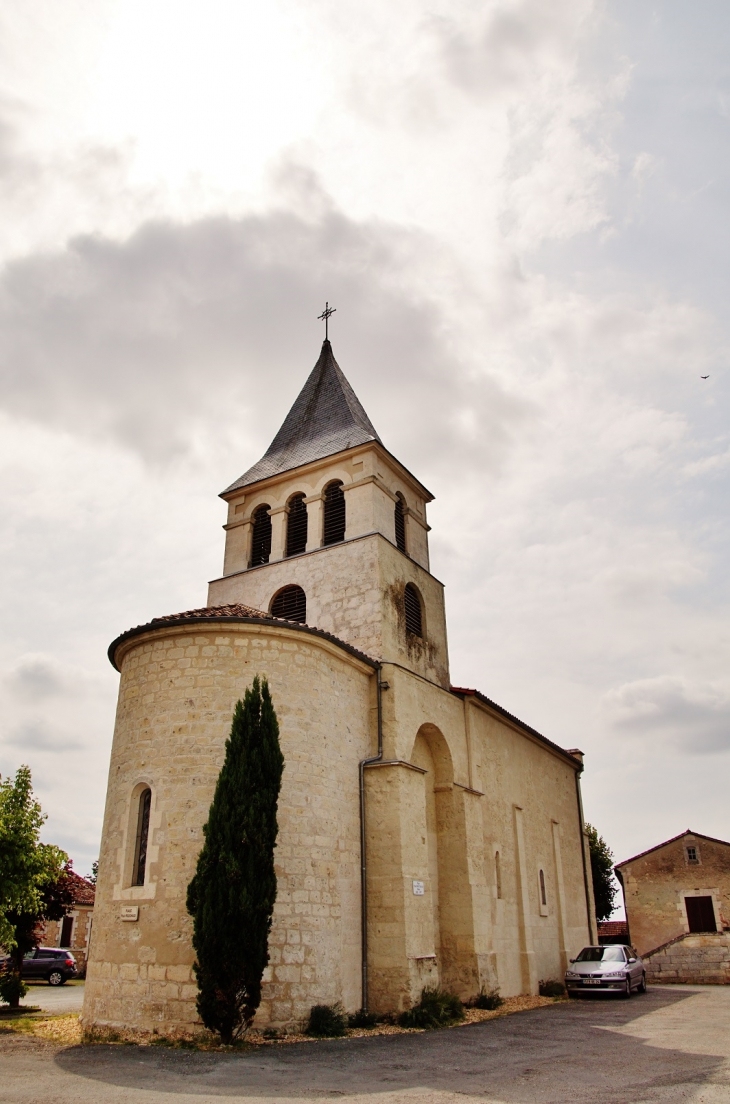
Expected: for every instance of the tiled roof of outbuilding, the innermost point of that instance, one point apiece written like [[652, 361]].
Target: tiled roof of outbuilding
[[327, 417], [674, 839], [84, 893]]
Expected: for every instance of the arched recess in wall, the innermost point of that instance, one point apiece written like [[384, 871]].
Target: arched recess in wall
[[335, 515], [261, 535], [291, 604], [296, 526], [442, 826], [400, 522], [141, 810]]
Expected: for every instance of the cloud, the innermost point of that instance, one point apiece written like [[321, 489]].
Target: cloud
[[37, 735], [691, 714], [183, 329]]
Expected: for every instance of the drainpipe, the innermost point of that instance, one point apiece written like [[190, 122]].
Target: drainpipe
[[363, 854], [591, 921]]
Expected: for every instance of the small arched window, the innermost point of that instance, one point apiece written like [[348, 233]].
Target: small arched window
[[414, 619], [296, 526], [400, 523], [261, 536], [498, 874], [143, 835], [334, 514], [543, 894], [291, 604]]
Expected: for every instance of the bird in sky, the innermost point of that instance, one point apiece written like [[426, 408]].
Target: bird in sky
[[704, 377]]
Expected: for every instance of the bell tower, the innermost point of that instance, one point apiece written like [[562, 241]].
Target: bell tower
[[329, 529]]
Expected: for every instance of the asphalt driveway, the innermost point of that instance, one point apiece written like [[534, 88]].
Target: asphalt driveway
[[55, 999], [671, 1045]]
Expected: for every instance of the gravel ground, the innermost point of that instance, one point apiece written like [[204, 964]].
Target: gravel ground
[[671, 1045]]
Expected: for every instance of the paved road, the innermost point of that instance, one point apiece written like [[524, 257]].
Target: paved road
[[55, 999], [671, 1045]]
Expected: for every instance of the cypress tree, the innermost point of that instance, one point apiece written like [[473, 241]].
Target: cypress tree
[[231, 897], [604, 886]]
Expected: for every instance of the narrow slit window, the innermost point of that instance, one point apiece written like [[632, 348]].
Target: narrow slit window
[[291, 604], [334, 514], [143, 833], [414, 619], [498, 874], [400, 523], [296, 526], [261, 536], [543, 894]]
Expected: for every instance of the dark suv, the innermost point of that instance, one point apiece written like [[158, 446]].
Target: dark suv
[[49, 964]]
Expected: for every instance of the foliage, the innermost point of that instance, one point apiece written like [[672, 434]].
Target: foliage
[[327, 1020], [361, 1018], [94, 872], [488, 999], [552, 988], [34, 883], [231, 897], [604, 886], [435, 1008]]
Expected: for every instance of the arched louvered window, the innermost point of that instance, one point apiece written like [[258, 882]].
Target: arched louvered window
[[291, 604], [143, 833], [400, 523], [261, 536], [296, 526], [334, 514], [414, 620]]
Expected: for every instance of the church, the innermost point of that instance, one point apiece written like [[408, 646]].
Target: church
[[426, 835]]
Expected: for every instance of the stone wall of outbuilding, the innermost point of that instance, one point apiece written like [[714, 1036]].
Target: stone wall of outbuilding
[[698, 959]]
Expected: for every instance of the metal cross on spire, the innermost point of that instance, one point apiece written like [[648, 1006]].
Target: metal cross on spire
[[326, 313]]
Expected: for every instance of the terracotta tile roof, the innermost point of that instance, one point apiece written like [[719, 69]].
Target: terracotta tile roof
[[674, 839], [84, 892], [327, 417], [464, 691], [617, 928], [236, 613]]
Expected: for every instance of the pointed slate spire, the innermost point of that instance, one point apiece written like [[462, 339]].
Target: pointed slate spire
[[326, 418]]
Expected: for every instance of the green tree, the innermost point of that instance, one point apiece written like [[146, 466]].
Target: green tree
[[604, 886], [33, 879], [231, 897]]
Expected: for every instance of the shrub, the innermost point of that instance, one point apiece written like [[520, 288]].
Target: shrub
[[12, 988], [488, 999], [435, 1008], [327, 1021], [231, 898], [361, 1018], [552, 988]]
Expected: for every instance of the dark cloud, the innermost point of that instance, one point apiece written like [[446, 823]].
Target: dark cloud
[[692, 715], [205, 327]]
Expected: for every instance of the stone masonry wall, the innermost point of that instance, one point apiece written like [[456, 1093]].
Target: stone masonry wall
[[701, 959], [177, 693]]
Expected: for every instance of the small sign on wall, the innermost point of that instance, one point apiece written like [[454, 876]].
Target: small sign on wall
[[419, 888], [130, 912]]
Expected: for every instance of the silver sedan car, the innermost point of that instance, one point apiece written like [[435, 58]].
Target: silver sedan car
[[616, 969]]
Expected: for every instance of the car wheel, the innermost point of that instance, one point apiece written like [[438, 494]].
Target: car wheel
[[56, 978], [642, 984], [627, 991]]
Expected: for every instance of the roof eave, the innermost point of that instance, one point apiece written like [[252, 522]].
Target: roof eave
[[261, 484]]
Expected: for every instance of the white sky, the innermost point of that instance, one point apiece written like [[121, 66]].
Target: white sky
[[520, 213]]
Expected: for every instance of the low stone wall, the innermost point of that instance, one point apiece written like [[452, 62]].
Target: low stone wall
[[700, 959]]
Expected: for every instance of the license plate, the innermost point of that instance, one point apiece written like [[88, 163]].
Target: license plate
[[591, 981]]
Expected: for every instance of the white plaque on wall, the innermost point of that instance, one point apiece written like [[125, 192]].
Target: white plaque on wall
[[419, 888], [130, 912]]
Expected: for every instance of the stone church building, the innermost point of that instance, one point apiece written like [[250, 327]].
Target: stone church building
[[426, 835]]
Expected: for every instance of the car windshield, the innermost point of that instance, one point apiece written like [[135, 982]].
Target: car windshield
[[601, 954]]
